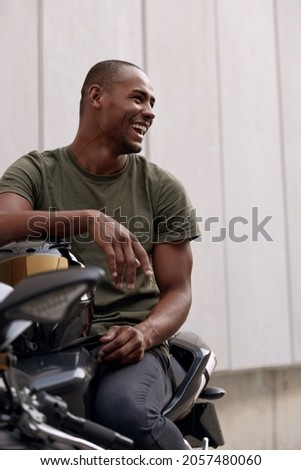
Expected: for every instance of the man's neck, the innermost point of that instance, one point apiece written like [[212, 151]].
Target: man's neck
[[97, 160]]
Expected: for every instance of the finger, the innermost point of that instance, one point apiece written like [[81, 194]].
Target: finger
[[126, 354], [110, 334], [111, 259], [132, 263], [103, 228], [116, 336], [120, 265], [142, 257], [112, 351], [121, 339], [126, 347]]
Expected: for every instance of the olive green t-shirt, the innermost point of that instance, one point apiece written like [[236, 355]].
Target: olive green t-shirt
[[145, 198]]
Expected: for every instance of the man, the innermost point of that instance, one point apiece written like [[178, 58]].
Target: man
[[130, 217]]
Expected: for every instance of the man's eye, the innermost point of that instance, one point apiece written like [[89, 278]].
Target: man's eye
[[137, 99]]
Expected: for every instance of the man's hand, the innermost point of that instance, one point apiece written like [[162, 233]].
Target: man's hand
[[123, 251], [122, 344]]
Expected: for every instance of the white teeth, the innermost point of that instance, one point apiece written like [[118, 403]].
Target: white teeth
[[140, 127]]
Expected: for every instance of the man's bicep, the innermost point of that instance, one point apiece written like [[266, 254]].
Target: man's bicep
[[12, 202], [172, 264]]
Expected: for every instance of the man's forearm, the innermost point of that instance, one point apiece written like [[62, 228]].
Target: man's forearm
[[15, 226], [166, 317], [123, 251]]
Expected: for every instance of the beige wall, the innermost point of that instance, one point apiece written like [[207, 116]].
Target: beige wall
[[227, 76], [261, 409]]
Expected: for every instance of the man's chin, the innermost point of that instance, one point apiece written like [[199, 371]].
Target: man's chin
[[134, 148]]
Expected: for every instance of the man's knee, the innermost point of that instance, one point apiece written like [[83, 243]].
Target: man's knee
[[122, 413]]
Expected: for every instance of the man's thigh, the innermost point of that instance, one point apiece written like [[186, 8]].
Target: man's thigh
[[143, 386]]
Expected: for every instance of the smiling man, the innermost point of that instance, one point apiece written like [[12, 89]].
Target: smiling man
[[132, 218]]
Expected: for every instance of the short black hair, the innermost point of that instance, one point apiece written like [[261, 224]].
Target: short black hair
[[103, 74]]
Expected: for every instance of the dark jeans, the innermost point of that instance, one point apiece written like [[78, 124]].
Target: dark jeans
[[129, 400]]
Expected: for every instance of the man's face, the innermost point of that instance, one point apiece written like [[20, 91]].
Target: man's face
[[127, 111]]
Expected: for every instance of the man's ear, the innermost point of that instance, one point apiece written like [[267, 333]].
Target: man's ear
[[95, 94]]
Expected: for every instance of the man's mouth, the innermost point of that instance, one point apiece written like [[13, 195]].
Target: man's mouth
[[140, 129]]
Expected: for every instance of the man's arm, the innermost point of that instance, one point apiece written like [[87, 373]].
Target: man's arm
[[18, 221], [172, 265]]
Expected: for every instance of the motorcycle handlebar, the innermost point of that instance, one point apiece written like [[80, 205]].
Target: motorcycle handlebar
[[56, 411], [96, 433]]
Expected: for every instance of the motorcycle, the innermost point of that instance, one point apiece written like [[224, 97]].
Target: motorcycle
[[46, 365]]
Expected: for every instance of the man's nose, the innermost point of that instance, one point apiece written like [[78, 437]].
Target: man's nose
[[149, 112]]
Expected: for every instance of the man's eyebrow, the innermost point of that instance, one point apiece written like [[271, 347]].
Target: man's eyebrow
[[146, 95]]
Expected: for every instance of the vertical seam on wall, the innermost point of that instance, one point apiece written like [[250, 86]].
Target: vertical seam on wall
[[222, 165], [273, 377], [41, 107], [283, 168], [145, 61], [144, 38]]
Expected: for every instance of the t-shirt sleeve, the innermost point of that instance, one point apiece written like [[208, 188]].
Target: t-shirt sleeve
[[175, 219], [23, 178]]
